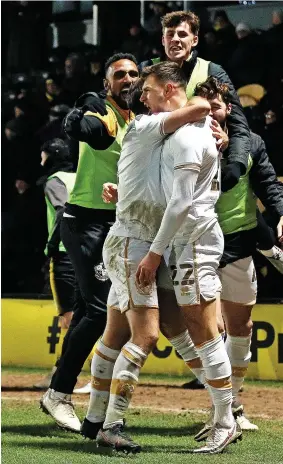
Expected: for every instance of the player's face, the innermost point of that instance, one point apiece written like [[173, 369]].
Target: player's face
[[119, 77], [219, 109], [154, 95], [178, 42]]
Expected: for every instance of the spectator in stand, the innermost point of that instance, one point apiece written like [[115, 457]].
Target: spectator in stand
[[23, 237], [55, 93], [53, 129], [136, 42], [155, 51], [27, 43], [273, 38], [56, 60], [276, 31], [31, 103], [20, 149], [245, 65], [226, 36], [26, 111], [153, 24], [273, 138], [95, 60], [211, 50], [77, 79]]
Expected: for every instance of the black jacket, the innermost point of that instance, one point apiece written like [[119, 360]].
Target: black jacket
[[263, 178], [239, 133], [269, 190]]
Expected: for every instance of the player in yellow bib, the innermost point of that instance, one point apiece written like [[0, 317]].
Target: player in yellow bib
[[85, 224]]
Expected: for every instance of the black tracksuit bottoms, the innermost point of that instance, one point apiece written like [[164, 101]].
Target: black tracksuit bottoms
[[83, 236]]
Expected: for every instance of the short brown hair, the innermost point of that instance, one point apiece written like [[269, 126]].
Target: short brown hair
[[177, 17], [211, 88], [166, 71], [133, 98]]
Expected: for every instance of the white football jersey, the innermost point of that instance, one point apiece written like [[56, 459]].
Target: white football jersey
[[193, 147], [141, 201]]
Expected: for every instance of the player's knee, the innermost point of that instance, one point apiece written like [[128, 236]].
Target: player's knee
[[244, 326], [241, 330], [249, 327], [152, 339], [146, 341]]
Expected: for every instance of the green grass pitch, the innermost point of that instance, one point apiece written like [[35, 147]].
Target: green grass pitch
[[30, 437]]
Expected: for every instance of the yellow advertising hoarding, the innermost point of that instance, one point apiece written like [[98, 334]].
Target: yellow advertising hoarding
[[30, 337]]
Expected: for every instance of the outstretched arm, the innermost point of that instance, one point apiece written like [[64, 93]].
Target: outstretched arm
[[153, 128], [85, 126], [195, 110]]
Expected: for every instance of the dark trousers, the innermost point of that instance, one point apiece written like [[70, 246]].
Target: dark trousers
[[83, 237], [62, 282]]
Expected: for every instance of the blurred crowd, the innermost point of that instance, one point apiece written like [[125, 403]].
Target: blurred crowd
[[39, 89]]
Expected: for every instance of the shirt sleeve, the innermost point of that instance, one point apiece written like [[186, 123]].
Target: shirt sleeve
[[92, 130], [56, 192], [177, 208], [109, 121], [150, 128], [187, 162]]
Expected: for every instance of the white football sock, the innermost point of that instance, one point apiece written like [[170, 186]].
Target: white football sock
[[124, 379], [183, 344], [102, 366], [238, 350], [217, 373]]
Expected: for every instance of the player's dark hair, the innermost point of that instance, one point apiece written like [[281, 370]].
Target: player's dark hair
[[133, 98], [59, 159], [175, 18], [166, 71], [56, 147], [211, 88], [118, 57]]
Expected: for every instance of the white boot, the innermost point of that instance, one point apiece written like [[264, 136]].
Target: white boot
[[204, 432], [83, 390], [60, 407], [245, 424], [219, 438]]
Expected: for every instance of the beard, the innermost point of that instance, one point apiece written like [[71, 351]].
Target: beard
[[121, 98], [121, 101]]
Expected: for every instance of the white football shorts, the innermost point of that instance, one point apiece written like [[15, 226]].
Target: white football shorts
[[193, 267], [121, 256], [239, 282]]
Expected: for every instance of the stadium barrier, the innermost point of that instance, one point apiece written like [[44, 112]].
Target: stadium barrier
[[30, 337]]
